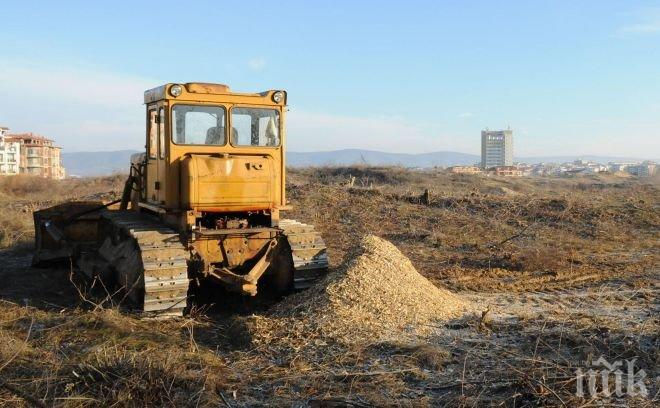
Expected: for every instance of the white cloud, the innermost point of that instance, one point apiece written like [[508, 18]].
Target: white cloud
[[74, 85], [257, 64], [81, 109], [84, 109], [88, 110], [466, 115], [648, 22], [648, 28]]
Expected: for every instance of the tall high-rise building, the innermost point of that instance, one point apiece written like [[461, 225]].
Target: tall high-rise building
[[496, 148]]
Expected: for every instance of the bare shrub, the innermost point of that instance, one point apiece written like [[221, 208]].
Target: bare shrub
[[15, 228], [22, 194], [122, 377], [22, 185], [545, 259]]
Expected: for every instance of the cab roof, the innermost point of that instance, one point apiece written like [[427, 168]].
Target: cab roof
[[205, 91]]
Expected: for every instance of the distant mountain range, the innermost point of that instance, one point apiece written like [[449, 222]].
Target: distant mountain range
[[591, 158], [374, 158], [87, 164], [444, 159]]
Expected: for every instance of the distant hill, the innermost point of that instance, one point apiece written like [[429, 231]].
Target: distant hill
[[89, 164], [442, 158], [374, 158], [564, 159]]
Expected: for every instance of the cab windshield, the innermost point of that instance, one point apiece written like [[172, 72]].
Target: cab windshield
[[206, 125], [255, 127], [198, 125]]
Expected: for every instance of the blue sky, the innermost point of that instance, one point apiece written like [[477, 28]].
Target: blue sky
[[568, 77]]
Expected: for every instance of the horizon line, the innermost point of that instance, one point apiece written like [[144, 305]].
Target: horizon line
[[64, 152]]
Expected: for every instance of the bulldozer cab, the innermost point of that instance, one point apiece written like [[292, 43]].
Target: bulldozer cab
[[212, 150]]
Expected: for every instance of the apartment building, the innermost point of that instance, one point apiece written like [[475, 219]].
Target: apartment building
[[38, 155], [644, 169], [496, 148], [506, 171], [10, 156], [620, 166], [465, 170]]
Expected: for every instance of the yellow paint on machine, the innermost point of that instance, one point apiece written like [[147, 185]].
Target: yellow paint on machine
[[229, 183], [228, 177], [205, 200]]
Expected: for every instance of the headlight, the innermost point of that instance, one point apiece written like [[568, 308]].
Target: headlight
[[176, 90], [278, 96]]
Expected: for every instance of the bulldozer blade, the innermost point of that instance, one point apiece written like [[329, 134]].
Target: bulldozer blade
[[58, 236]]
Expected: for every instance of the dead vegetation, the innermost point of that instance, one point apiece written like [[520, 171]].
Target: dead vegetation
[[557, 273], [557, 232], [21, 195]]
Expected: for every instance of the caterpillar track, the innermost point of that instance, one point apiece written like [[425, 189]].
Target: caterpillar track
[[309, 252], [149, 262]]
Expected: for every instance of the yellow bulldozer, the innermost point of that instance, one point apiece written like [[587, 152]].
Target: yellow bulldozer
[[201, 205]]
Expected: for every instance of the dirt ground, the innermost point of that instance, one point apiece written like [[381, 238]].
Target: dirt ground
[[562, 273]]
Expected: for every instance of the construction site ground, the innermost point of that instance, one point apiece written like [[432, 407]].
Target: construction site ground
[[536, 278]]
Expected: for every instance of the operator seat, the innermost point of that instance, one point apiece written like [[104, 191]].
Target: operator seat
[[216, 135]]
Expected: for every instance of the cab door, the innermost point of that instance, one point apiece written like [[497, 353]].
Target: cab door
[[157, 154], [163, 156], [152, 155]]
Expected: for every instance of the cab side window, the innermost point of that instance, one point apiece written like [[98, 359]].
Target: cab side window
[[153, 135], [161, 132]]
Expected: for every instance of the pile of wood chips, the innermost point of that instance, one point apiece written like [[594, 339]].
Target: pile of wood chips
[[376, 296]]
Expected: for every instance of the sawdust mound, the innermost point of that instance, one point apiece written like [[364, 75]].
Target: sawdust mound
[[378, 295]]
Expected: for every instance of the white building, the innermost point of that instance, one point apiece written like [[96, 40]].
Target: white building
[[496, 148], [644, 169], [10, 155], [595, 168], [619, 166]]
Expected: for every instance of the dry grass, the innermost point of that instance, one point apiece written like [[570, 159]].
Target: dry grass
[[561, 271], [556, 232], [21, 195]]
